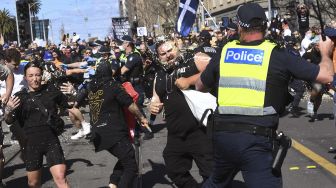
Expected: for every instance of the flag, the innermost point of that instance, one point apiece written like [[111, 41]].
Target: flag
[[186, 16]]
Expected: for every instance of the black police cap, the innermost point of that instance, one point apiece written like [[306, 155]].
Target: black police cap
[[205, 34], [104, 50], [248, 12], [127, 38], [232, 26]]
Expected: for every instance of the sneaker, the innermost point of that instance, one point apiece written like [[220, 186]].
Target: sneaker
[[313, 117], [79, 135], [86, 128]]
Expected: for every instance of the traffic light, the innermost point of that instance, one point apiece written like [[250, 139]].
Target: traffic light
[[22, 12]]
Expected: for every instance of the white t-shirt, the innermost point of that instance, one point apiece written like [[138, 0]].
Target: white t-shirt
[[287, 32], [19, 82]]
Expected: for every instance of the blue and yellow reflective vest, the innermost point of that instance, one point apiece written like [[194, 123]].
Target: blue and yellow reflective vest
[[242, 83]]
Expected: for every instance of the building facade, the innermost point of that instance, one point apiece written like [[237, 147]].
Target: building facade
[[226, 9]]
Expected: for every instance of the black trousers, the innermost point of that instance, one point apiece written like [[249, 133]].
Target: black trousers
[[179, 154], [125, 170], [299, 88]]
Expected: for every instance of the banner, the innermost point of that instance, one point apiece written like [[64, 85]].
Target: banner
[[121, 27], [141, 31]]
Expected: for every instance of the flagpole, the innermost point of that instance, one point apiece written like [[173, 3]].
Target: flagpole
[[213, 20]]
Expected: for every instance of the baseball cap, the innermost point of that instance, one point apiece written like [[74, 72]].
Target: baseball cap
[[249, 12]]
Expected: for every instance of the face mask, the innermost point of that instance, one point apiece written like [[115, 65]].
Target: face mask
[[94, 51], [121, 48], [117, 55]]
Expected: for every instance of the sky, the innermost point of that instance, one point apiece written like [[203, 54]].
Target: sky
[[72, 14]]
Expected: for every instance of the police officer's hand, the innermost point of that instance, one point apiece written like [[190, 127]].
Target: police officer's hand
[[326, 47], [182, 83], [155, 107]]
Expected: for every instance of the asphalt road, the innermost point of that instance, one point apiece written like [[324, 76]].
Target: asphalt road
[[87, 169]]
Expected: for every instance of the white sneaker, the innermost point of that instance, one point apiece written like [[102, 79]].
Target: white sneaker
[[86, 128], [79, 135]]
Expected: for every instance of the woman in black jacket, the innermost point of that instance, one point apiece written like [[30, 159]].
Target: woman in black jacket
[[36, 110]]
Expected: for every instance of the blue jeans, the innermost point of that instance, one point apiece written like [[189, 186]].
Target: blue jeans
[[250, 154]]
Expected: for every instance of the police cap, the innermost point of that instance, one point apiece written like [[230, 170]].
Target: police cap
[[205, 34], [104, 50], [249, 12], [232, 26], [127, 38]]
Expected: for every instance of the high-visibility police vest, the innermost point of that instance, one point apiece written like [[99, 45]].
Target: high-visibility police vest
[[242, 83], [123, 56]]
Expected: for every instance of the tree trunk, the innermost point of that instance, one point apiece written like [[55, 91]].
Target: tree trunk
[[2, 40]]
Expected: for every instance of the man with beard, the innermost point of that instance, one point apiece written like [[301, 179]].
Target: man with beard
[[186, 141]]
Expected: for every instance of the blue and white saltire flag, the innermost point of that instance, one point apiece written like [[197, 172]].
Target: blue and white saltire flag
[[186, 16]]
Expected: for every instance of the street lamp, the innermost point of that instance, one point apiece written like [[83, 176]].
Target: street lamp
[[30, 20]]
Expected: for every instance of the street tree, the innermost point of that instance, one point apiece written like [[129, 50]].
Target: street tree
[[6, 24], [35, 6]]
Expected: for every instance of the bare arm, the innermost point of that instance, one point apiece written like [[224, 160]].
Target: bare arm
[[133, 108], [9, 87], [326, 73], [155, 107], [201, 61], [199, 85], [124, 69]]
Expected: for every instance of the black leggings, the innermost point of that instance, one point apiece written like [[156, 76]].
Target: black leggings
[[125, 170]]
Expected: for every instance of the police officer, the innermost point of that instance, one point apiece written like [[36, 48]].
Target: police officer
[[132, 69], [204, 44], [231, 32], [186, 141], [251, 76]]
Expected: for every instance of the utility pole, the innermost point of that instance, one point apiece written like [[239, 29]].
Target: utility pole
[[17, 30], [30, 24], [269, 9]]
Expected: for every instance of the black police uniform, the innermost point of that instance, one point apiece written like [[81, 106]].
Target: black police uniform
[[297, 85], [107, 98], [186, 140], [239, 150], [207, 49], [40, 139], [134, 74]]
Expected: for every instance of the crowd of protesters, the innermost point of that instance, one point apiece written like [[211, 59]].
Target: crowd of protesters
[[61, 79]]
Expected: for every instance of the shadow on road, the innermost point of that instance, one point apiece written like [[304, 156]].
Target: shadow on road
[[158, 127], [156, 175]]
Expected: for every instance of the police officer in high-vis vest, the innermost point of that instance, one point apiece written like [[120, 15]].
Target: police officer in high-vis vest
[[251, 77]]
